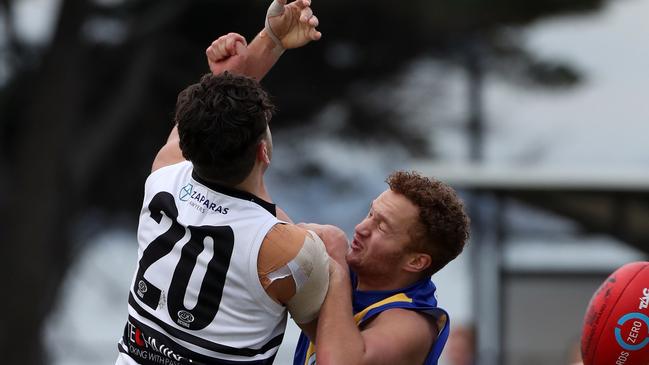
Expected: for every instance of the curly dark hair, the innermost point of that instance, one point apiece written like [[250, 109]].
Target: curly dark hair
[[443, 227], [220, 121]]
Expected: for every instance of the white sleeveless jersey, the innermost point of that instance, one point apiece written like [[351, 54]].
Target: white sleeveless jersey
[[196, 296]]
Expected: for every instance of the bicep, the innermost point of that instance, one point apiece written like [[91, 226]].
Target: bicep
[[398, 336], [170, 153]]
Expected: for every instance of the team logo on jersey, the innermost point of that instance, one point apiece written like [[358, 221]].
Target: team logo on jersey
[[150, 349], [141, 288], [185, 318], [186, 192], [199, 200]]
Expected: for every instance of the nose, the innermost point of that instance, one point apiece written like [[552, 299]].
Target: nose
[[363, 228]]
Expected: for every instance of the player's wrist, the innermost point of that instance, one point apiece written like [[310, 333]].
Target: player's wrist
[[271, 43]]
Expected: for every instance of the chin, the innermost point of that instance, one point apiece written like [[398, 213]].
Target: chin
[[354, 263]]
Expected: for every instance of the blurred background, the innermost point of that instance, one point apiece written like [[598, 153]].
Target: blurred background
[[536, 111]]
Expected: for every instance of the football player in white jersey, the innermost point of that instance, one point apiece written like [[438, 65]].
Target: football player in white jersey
[[218, 267]]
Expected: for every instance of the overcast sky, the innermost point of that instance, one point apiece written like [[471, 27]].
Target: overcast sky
[[604, 121]]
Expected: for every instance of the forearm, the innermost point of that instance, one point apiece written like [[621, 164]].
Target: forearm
[[334, 239], [287, 26], [231, 53], [263, 53], [339, 339]]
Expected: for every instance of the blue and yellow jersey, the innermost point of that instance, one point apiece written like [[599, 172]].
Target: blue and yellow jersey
[[367, 304]]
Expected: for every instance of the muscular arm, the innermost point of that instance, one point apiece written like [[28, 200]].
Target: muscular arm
[[292, 25], [293, 268], [263, 53], [170, 153], [334, 238], [230, 53], [287, 26], [227, 53], [396, 336]]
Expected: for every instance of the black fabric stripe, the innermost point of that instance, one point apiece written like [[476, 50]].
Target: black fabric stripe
[[198, 341], [196, 358], [121, 349], [270, 207]]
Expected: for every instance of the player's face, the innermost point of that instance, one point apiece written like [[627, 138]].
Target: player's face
[[380, 241]]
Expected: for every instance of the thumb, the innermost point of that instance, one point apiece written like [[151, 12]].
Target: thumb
[[241, 48]]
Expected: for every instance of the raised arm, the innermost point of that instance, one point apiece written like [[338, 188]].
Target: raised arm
[[286, 26]]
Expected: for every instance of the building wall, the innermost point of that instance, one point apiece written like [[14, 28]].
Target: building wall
[[543, 316]]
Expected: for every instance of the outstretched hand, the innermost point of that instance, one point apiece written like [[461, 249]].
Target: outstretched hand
[[227, 53], [292, 25]]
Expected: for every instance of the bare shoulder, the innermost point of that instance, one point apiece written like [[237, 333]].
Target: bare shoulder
[[281, 214], [285, 236], [281, 244]]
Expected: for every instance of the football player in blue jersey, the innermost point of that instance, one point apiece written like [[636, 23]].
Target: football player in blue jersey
[[411, 231]]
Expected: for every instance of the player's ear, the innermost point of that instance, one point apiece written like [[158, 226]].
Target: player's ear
[[417, 262], [263, 151]]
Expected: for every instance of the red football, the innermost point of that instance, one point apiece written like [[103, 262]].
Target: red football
[[616, 325]]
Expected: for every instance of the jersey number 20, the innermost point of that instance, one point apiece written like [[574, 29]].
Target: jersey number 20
[[211, 289]]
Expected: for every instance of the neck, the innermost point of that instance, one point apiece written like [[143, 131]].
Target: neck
[[254, 184], [380, 282]]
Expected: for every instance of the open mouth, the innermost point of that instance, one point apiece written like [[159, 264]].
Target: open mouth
[[356, 245]]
